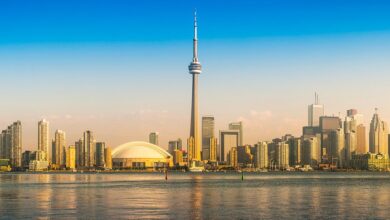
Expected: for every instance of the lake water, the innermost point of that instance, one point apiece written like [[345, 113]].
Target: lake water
[[195, 196]]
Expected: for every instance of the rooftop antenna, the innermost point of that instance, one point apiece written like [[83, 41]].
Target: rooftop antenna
[[316, 98]]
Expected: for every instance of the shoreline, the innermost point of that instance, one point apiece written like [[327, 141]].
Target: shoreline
[[200, 173]]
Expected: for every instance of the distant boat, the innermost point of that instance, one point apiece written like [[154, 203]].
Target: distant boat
[[196, 169]]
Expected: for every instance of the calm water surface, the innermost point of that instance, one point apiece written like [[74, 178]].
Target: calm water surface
[[195, 196]]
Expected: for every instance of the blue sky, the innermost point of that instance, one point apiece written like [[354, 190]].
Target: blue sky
[[119, 68], [45, 21]]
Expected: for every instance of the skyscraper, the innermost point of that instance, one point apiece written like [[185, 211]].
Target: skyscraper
[[79, 145], [244, 156], [282, 155], [311, 154], [232, 157], [13, 144], [59, 158], [336, 151], [329, 124], [361, 146], [100, 156], [6, 143], [238, 126], [213, 150], [89, 149], [43, 138], [378, 135], [261, 155], [294, 151], [315, 112], [108, 157], [175, 145], [153, 138], [2, 147], [228, 140], [71, 157], [355, 135], [195, 69], [207, 135]]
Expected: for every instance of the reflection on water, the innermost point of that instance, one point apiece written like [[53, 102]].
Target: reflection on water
[[195, 196]]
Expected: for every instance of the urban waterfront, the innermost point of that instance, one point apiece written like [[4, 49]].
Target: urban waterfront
[[276, 195]]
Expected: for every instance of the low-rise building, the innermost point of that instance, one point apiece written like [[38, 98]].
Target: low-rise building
[[370, 161], [38, 165]]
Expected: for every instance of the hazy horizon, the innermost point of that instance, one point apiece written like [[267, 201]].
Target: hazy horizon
[[120, 70]]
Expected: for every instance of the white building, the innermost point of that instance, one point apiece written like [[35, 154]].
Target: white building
[[315, 112]]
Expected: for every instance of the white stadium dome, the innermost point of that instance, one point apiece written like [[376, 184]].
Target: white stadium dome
[[140, 149]]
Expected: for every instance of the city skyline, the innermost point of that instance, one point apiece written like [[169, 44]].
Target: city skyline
[[268, 77]]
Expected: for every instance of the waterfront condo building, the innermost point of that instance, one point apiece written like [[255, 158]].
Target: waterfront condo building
[[44, 138]]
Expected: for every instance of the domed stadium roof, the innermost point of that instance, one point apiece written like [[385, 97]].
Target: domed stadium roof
[[140, 149]]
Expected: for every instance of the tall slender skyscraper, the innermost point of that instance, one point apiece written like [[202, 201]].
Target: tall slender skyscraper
[[100, 156], [11, 146], [207, 135], [16, 144], [378, 135], [89, 149], [108, 157], [195, 69], [43, 138], [80, 159], [59, 157], [315, 112]]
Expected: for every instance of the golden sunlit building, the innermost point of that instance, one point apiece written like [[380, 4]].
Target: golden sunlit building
[[213, 149], [232, 156], [378, 136], [177, 157], [108, 157], [370, 161], [71, 157]]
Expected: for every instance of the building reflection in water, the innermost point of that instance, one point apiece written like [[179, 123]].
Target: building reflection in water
[[194, 196]]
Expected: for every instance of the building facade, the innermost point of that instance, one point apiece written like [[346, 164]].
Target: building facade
[[58, 151], [44, 138], [378, 136], [315, 111], [207, 136], [89, 149], [71, 157], [238, 126], [153, 138], [108, 157], [100, 155], [228, 139], [261, 155]]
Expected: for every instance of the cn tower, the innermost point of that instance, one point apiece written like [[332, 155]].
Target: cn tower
[[195, 69]]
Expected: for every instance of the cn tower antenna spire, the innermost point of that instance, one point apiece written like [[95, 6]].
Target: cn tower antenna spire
[[195, 49]]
